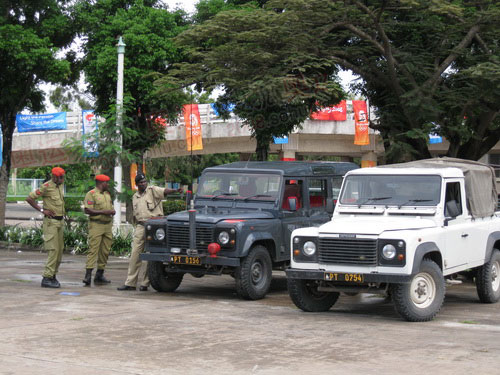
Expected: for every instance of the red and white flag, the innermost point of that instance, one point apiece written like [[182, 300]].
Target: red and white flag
[[334, 113]]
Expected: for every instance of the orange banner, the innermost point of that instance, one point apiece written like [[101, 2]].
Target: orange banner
[[361, 122], [334, 113], [133, 173], [368, 163], [193, 127]]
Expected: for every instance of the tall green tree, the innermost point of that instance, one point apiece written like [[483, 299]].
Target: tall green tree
[[147, 28], [427, 66], [255, 56], [32, 36]]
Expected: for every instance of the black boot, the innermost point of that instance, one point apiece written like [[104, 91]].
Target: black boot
[[49, 282], [99, 278], [56, 283], [88, 277]]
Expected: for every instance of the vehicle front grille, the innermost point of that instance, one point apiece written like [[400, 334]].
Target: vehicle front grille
[[348, 251], [178, 236]]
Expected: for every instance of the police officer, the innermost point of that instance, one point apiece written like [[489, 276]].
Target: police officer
[[99, 207], [146, 203], [52, 195]]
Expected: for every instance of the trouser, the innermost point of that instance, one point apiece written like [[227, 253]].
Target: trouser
[[100, 240], [54, 244], [134, 265]]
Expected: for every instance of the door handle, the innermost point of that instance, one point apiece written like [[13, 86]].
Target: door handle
[[465, 235]]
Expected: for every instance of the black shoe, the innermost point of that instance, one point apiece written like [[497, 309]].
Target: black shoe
[[88, 277], [126, 287], [99, 278], [49, 282], [56, 283], [143, 288]]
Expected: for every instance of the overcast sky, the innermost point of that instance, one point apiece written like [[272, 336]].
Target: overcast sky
[[187, 5]]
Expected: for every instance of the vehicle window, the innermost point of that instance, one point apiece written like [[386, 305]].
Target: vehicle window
[[239, 186], [317, 192], [400, 190], [293, 189], [453, 194]]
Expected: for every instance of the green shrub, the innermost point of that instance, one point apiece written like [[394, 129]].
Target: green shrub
[[122, 245], [171, 206], [73, 204]]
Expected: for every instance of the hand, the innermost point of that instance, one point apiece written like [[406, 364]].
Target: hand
[[48, 213], [110, 212]]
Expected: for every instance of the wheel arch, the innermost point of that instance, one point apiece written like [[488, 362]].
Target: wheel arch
[[264, 239], [428, 250], [492, 243]]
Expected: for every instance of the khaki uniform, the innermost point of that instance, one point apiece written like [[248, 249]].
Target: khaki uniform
[[53, 199], [145, 206], [100, 229]]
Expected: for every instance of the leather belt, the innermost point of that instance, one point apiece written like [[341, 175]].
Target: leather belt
[[57, 217], [141, 223]]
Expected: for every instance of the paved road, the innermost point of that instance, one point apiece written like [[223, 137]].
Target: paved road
[[205, 328]]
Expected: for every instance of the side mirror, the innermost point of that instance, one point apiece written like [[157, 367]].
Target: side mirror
[[330, 206], [292, 203]]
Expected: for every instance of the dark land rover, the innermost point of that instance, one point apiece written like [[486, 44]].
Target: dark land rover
[[243, 215]]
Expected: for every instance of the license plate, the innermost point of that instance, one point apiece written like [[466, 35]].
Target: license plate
[[356, 278], [181, 259]]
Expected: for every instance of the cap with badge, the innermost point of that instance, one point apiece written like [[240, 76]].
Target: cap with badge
[[102, 178], [58, 171]]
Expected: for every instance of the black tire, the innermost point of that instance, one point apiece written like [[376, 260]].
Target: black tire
[[253, 276], [161, 280], [305, 295], [488, 279], [422, 298]]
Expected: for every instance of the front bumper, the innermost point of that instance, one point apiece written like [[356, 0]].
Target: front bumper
[[205, 260], [367, 277]]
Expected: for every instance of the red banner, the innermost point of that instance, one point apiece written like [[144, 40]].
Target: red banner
[[334, 113], [192, 121], [361, 122]]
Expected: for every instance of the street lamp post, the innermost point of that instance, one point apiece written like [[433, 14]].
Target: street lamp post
[[119, 123]]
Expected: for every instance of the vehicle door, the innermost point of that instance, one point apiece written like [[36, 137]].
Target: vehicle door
[[458, 234], [317, 195], [291, 219]]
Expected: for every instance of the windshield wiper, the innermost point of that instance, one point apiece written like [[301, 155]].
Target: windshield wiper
[[222, 195], [257, 196], [372, 199], [414, 201]]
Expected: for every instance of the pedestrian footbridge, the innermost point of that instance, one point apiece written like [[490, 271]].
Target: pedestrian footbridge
[[219, 136]]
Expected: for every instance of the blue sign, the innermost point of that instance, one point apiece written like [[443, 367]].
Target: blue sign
[[89, 128], [434, 138], [226, 107], [280, 140], [34, 123]]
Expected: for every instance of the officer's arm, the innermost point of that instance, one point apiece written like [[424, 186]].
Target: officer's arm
[[92, 212], [170, 191], [35, 205]]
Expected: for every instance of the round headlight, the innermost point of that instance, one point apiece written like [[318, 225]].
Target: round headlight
[[160, 234], [389, 251], [148, 227], [309, 248], [223, 238]]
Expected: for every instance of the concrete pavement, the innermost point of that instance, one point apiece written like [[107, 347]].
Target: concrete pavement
[[205, 328]]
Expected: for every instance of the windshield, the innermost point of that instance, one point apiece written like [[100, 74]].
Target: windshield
[[406, 190], [241, 186]]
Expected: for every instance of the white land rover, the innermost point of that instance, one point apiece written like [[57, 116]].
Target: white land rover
[[402, 229]]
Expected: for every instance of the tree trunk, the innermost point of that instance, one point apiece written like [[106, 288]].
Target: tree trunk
[[262, 149], [8, 124]]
